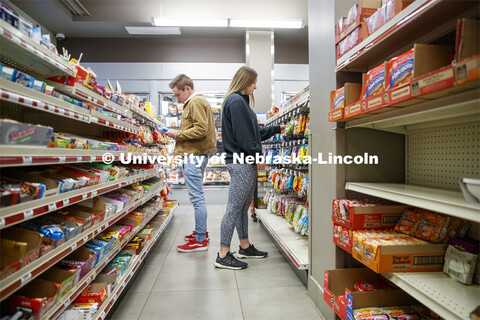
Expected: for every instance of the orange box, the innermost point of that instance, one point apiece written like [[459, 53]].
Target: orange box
[[468, 70], [410, 258], [345, 96], [375, 81], [435, 81]]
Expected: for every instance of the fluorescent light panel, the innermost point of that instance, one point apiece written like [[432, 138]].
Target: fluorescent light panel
[[153, 30], [190, 22], [267, 24]]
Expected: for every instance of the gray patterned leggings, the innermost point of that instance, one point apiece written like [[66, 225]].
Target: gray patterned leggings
[[243, 178]]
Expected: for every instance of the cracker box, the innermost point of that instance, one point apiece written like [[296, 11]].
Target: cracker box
[[468, 70], [375, 81], [400, 69], [366, 217], [345, 96]]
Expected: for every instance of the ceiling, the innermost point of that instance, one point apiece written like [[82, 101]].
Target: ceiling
[[109, 17]]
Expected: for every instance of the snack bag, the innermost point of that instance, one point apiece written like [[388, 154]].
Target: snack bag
[[360, 286], [430, 226], [338, 100], [408, 222], [460, 264], [375, 81], [400, 69], [402, 313], [370, 314]]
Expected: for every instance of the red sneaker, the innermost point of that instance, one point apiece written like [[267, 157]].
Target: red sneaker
[[193, 245], [191, 236]]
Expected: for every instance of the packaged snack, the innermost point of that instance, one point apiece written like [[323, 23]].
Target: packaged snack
[[400, 69], [402, 313], [360, 286], [460, 264], [408, 222], [375, 81], [430, 226], [370, 314], [338, 100]]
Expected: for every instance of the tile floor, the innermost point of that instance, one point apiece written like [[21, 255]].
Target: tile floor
[[174, 285]]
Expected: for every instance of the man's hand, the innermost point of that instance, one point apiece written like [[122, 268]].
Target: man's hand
[[283, 127], [171, 133]]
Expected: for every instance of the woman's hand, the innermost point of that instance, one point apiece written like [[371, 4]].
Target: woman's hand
[[282, 128]]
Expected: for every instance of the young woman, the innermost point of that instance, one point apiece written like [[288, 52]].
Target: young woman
[[241, 134]]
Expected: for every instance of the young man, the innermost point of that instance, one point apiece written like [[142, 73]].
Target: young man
[[196, 136]]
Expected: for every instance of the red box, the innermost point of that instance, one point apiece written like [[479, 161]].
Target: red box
[[36, 297], [468, 70], [94, 293], [354, 111], [372, 217], [365, 9], [342, 237], [336, 116], [332, 295]]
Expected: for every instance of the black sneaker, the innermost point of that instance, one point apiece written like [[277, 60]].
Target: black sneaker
[[251, 252], [230, 262]]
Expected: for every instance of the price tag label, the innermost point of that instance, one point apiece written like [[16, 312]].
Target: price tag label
[[28, 214], [94, 193], [79, 158], [115, 296], [67, 302], [93, 158], [62, 159], [52, 206], [2, 222], [26, 278], [85, 239], [84, 196], [27, 160], [66, 202], [102, 315], [74, 246]]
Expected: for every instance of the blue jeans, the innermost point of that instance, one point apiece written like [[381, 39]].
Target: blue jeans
[[194, 182]]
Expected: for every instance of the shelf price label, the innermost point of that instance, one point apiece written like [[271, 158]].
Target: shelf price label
[[79, 158], [26, 278], [52, 206], [66, 202], [27, 160], [28, 214], [93, 158], [102, 315], [62, 159], [74, 246], [2, 222], [67, 303], [94, 193], [84, 196], [85, 239]]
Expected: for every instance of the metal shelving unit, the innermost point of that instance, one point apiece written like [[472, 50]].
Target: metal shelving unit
[[292, 244], [23, 276], [448, 298], [403, 30], [24, 51], [12, 215], [15, 156], [444, 201], [61, 306]]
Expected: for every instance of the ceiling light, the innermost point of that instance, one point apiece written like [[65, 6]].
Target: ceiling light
[[75, 7], [268, 24], [153, 30], [160, 22]]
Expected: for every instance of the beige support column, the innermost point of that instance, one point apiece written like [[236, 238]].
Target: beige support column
[[260, 56]]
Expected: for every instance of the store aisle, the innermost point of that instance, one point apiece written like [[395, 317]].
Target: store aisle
[[175, 285]]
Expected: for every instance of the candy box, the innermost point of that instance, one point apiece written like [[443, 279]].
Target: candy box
[[93, 206], [79, 217], [7, 15], [71, 228], [13, 132], [19, 247], [94, 293], [81, 260], [63, 278], [35, 298]]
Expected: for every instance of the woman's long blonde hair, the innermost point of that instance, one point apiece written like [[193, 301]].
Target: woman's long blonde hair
[[243, 78]]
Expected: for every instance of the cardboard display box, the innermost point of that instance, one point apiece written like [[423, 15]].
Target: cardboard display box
[[467, 43], [351, 95], [342, 237], [406, 258], [74, 227], [372, 217], [94, 293], [35, 298], [94, 206], [81, 261], [377, 298], [467, 72], [63, 278], [13, 132], [19, 247], [339, 283]]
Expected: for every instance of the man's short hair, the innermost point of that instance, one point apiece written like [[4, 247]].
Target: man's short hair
[[180, 82]]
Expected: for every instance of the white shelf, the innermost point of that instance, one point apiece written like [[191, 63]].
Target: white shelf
[[61, 306], [294, 245], [16, 280], [444, 201], [403, 30], [446, 297], [82, 93], [110, 122], [140, 114], [131, 270], [457, 108], [16, 156], [28, 210], [21, 49]]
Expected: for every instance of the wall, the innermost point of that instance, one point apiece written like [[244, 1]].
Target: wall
[[209, 77]]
